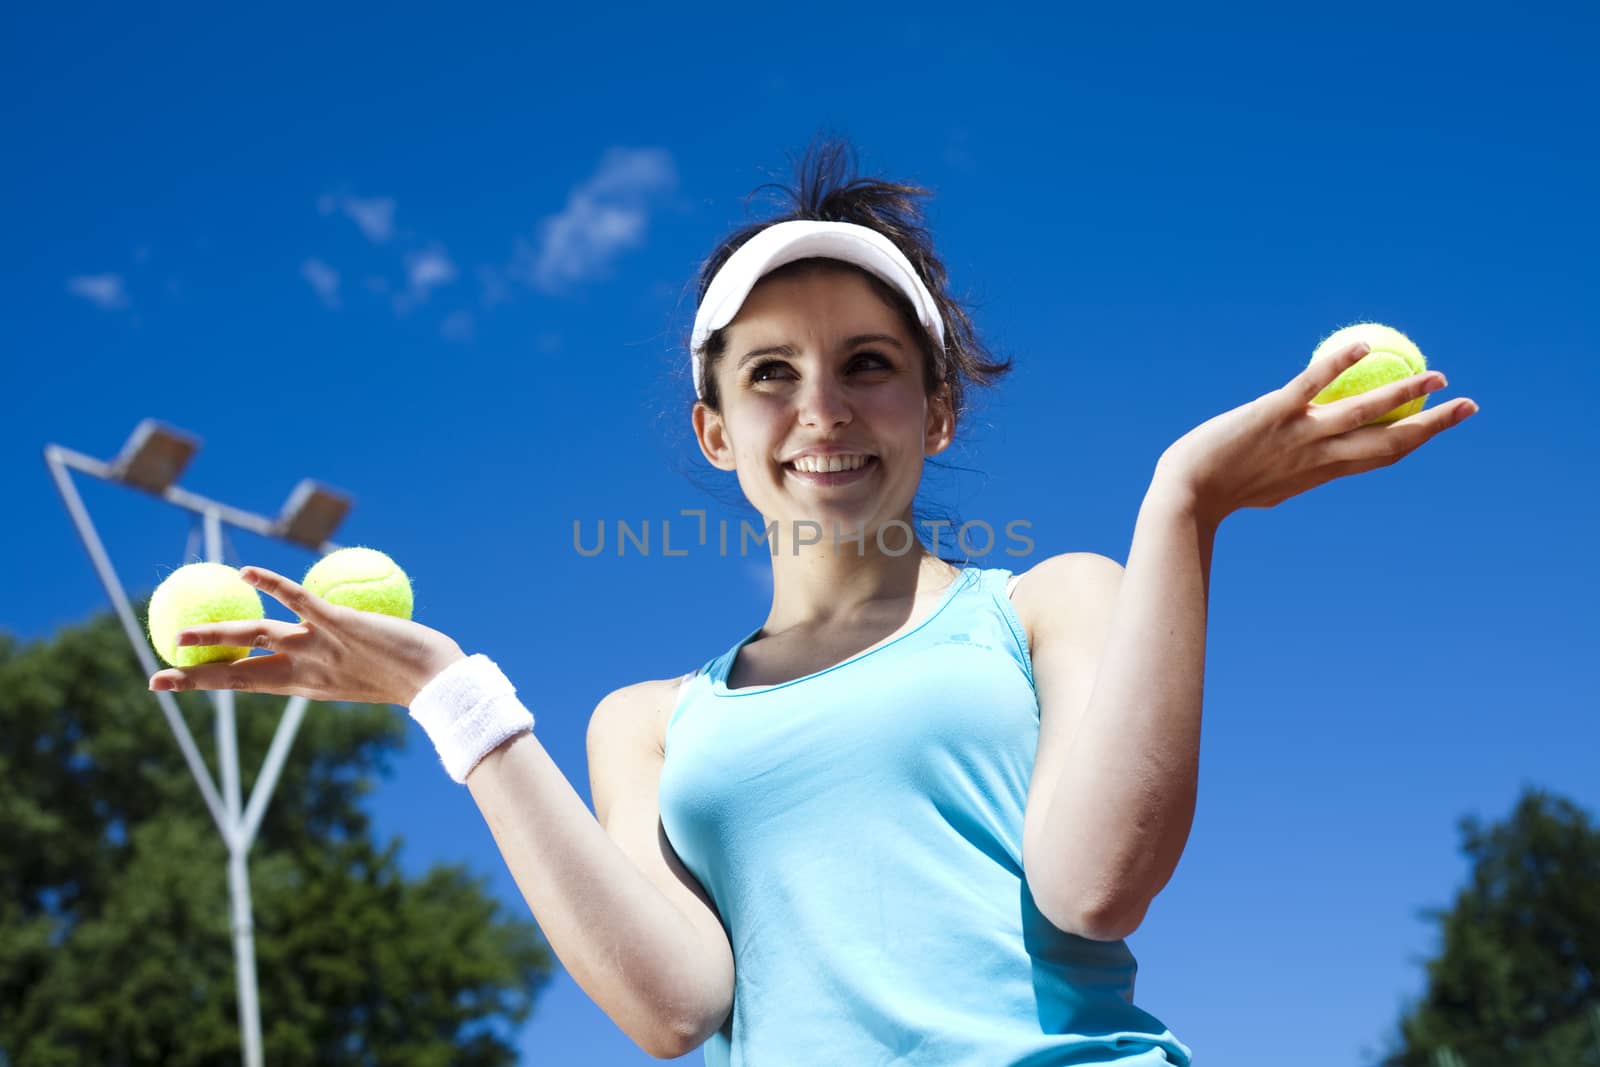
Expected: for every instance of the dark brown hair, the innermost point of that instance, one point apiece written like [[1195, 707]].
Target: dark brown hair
[[827, 189]]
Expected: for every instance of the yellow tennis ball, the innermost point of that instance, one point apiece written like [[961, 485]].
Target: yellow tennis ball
[[361, 578], [193, 595], [1392, 358]]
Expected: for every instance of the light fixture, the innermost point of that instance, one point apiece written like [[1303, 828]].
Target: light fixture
[[154, 457], [312, 513]]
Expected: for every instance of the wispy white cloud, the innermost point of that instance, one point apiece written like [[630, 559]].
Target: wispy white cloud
[[604, 215], [425, 271], [374, 216], [105, 291], [323, 278], [428, 269]]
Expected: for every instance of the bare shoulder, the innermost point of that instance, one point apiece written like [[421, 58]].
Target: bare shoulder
[[1057, 581], [639, 710]]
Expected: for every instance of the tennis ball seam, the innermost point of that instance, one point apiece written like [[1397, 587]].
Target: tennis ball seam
[[362, 578], [350, 583], [1392, 356]]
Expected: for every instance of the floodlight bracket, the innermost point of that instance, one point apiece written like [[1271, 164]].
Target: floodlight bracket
[[154, 457], [311, 514]]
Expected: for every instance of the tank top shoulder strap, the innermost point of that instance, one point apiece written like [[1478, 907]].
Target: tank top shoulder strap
[[690, 686], [996, 585]]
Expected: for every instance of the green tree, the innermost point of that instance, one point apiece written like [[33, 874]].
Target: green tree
[[1515, 983], [115, 945]]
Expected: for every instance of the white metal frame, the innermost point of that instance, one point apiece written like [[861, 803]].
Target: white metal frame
[[238, 827]]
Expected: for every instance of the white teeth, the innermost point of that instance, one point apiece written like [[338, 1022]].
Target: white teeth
[[829, 464]]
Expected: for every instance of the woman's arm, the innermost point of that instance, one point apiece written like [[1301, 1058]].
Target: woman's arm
[[631, 930], [1118, 778], [1119, 669], [608, 893]]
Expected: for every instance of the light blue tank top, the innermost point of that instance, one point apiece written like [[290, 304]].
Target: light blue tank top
[[860, 832]]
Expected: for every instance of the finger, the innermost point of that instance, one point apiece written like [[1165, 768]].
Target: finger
[[1433, 420], [1348, 413], [1304, 387], [255, 674], [270, 634], [290, 594], [1376, 446]]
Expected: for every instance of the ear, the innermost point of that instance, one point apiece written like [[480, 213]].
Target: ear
[[711, 433], [941, 426]]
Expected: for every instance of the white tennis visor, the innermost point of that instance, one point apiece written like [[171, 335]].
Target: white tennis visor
[[785, 242]]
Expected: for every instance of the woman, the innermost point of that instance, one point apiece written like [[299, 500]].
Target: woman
[[913, 816]]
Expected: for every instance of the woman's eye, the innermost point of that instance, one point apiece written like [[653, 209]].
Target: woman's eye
[[759, 373]]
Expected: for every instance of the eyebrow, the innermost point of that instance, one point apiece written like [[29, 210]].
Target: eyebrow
[[789, 350]]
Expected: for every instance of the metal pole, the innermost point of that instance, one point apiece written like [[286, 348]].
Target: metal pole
[[54, 459], [238, 828], [244, 954], [267, 780], [244, 946]]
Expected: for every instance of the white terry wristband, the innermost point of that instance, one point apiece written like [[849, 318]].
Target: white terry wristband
[[468, 709]]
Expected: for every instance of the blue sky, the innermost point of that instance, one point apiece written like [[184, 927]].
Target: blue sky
[[438, 258]]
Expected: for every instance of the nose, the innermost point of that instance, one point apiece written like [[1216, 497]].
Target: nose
[[822, 402]]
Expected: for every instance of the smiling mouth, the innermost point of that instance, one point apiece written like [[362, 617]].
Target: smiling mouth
[[838, 477], [865, 457]]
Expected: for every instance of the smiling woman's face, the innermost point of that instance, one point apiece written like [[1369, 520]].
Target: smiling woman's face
[[817, 360]]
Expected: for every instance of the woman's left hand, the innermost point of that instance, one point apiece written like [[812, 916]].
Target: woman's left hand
[[333, 653], [1281, 444]]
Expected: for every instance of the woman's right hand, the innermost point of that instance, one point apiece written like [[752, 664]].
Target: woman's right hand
[[333, 652]]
